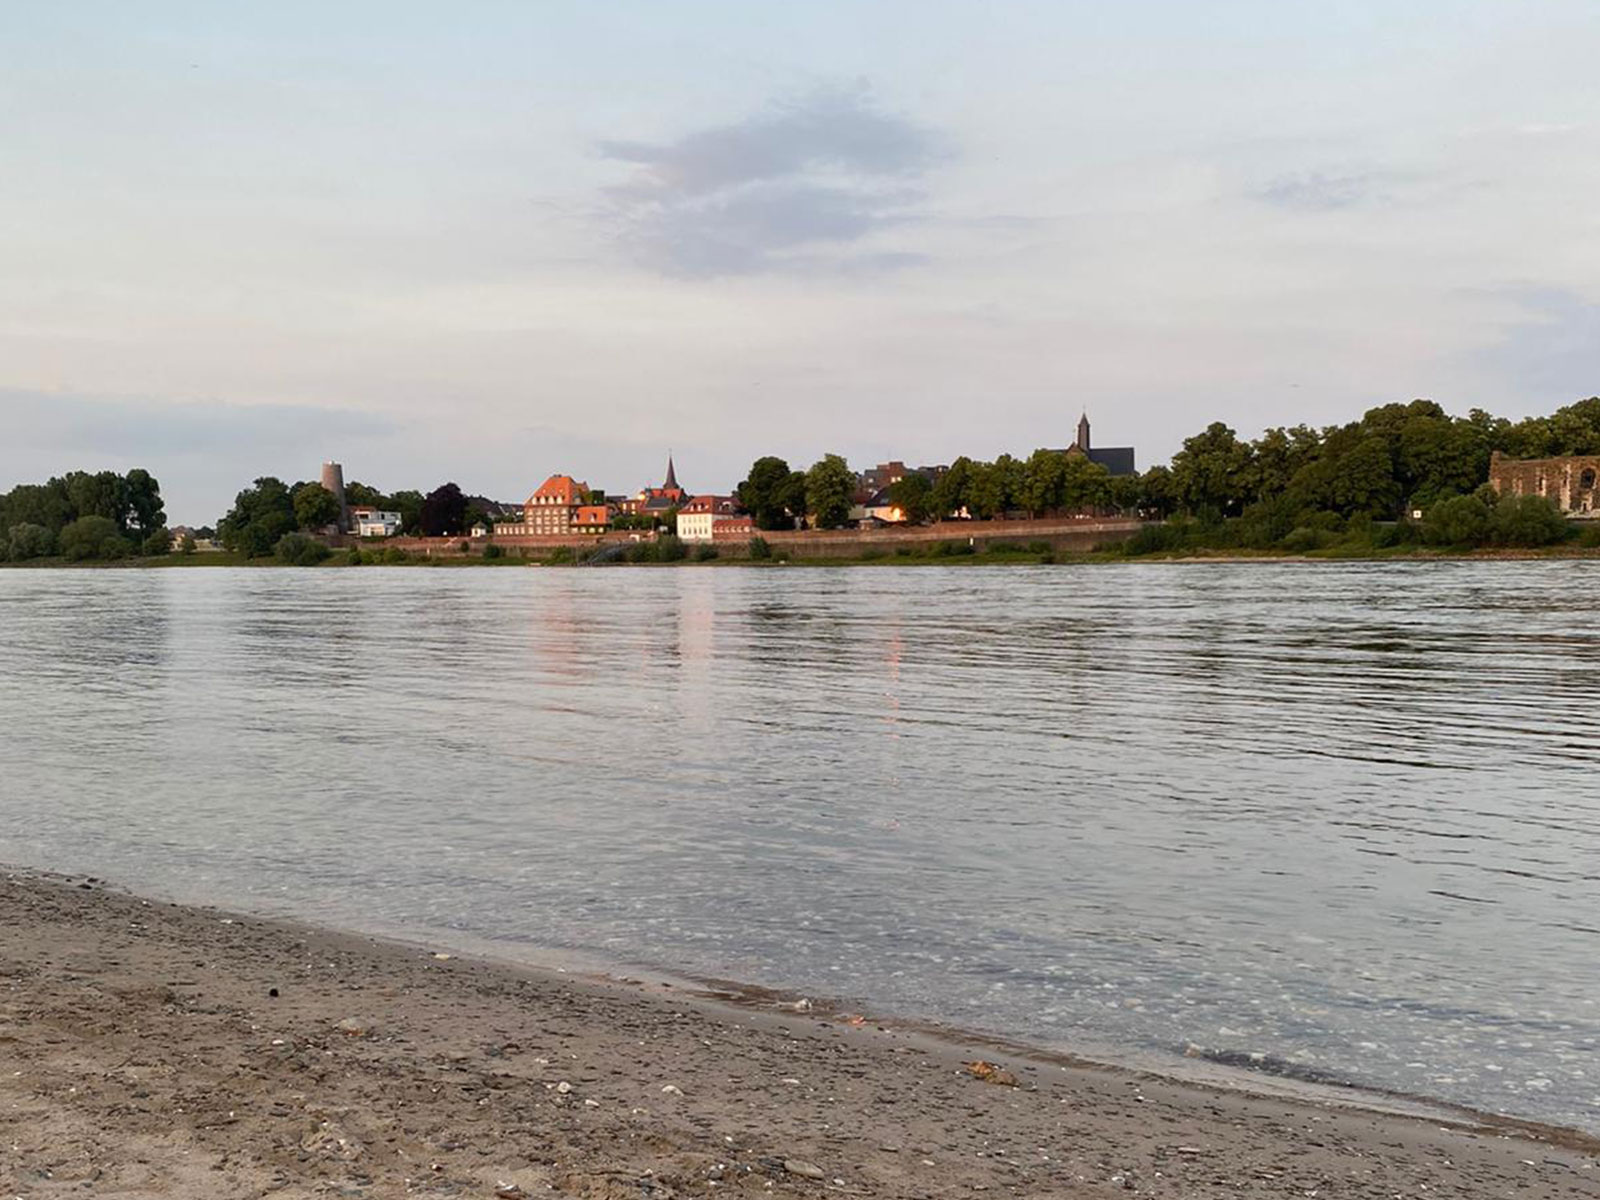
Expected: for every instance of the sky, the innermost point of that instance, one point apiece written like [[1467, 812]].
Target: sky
[[494, 240]]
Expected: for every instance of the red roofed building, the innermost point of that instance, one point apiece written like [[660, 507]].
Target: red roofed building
[[554, 508]]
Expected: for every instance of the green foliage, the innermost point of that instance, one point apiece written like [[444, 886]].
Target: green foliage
[[1304, 539], [643, 552], [315, 507], [491, 551], [298, 550], [1211, 471], [1527, 522], [952, 549], [829, 485], [259, 517], [770, 495], [28, 541], [912, 495], [1458, 521], [394, 556], [102, 494], [760, 548], [156, 543], [670, 548], [93, 537], [1168, 538], [705, 553], [443, 512], [353, 557], [186, 544], [144, 502], [951, 493]]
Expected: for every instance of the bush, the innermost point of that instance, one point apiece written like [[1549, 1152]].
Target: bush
[[1004, 548], [705, 554], [92, 537], [1527, 521], [393, 554], [186, 544], [1157, 539], [1041, 548], [29, 541], [760, 548], [298, 550], [491, 551], [868, 553], [1305, 539], [353, 557], [952, 549], [561, 555], [158, 543], [1590, 537], [670, 548], [1046, 558], [1458, 521], [904, 551]]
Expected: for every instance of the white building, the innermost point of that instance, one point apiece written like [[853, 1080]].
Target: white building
[[372, 522]]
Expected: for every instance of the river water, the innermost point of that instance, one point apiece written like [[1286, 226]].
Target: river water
[[1346, 817]]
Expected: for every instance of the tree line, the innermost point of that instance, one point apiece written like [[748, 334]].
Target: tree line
[[84, 515]]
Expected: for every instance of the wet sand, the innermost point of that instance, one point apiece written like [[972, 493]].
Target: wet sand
[[149, 1049]]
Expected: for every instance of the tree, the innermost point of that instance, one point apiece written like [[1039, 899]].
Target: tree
[[443, 512], [29, 541], [186, 544], [298, 550], [259, 517], [156, 543], [315, 507], [144, 502], [92, 537], [1211, 471], [950, 492], [829, 484], [910, 494], [356, 492], [1526, 521], [1043, 480], [1085, 485], [766, 494], [409, 505], [103, 494], [995, 487], [1458, 521]]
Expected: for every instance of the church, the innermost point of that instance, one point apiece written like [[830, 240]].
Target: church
[[1118, 460]]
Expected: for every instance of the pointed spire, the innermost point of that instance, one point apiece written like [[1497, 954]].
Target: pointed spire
[[672, 476], [1083, 433]]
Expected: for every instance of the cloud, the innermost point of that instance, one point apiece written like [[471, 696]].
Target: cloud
[[1312, 191], [793, 188]]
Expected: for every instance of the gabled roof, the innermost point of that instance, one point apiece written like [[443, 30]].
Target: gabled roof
[[563, 489]]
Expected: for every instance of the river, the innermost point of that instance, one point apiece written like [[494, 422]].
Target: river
[[1342, 817]]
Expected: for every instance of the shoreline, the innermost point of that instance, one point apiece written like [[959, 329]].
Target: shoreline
[[168, 1049]]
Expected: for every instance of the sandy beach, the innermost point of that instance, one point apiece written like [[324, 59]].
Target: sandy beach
[[150, 1049]]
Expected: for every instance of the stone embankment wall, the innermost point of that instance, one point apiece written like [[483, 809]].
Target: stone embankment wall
[[1075, 534]]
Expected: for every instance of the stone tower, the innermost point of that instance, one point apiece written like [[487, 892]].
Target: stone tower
[[333, 480], [1083, 433]]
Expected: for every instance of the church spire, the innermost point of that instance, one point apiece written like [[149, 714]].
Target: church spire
[[1083, 433], [672, 476]]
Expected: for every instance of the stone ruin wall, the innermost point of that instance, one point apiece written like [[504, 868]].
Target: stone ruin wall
[[1573, 481]]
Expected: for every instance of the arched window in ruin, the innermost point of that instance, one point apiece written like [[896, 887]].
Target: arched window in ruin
[[1586, 480]]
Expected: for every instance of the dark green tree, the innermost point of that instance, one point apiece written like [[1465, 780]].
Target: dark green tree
[[315, 507], [102, 494], [950, 492], [28, 540], [910, 494], [829, 484], [1457, 521], [1212, 471], [92, 537], [260, 515], [148, 512], [444, 511], [409, 505], [1044, 478], [765, 494], [1526, 521]]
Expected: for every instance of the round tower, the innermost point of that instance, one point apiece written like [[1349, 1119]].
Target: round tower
[[333, 480]]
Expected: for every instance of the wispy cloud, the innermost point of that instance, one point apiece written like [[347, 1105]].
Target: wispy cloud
[[1313, 191], [799, 184]]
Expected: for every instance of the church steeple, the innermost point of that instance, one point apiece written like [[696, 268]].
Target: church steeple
[[1083, 433], [672, 476]]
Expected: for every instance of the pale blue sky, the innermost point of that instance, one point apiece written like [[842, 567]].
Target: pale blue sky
[[488, 241]]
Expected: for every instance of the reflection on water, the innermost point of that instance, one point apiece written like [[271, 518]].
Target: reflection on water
[[1341, 815]]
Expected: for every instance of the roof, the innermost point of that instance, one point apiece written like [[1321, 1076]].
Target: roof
[[709, 504], [562, 488]]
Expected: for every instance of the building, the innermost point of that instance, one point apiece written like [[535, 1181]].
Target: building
[[699, 516], [656, 501], [553, 508], [591, 518], [333, 481], [1569, 481], [1118, 460], [366, 521]]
